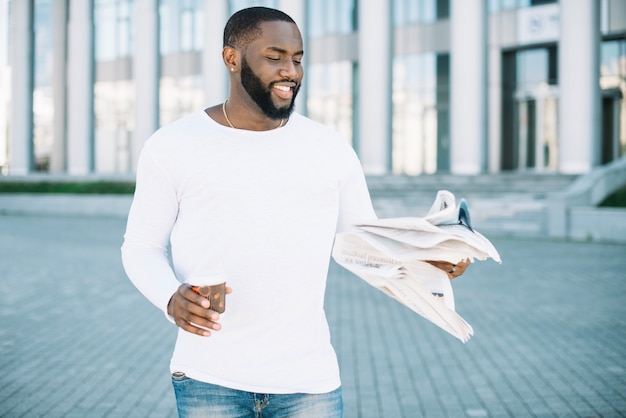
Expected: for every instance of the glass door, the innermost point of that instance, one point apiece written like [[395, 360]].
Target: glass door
[[537, 140], [530, 110]]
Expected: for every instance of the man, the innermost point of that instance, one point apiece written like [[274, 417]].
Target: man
[[259, 192]]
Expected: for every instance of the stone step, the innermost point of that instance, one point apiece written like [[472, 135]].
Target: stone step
[[503, 205], [539, 185]]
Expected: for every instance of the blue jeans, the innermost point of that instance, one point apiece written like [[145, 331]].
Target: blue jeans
[[196, 399]]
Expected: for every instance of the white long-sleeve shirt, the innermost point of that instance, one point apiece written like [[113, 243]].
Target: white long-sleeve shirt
[[265, 206]]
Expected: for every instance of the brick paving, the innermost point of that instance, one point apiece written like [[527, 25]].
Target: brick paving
[[77, 340]]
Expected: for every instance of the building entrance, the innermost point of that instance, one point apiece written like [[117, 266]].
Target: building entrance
[[530, 110], [536, 136]]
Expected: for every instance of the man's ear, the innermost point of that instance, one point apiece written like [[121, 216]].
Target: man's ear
[[230, 56]]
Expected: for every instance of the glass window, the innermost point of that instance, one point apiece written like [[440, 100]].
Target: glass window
[[330, 95], [5, 83], [181, 25], [613, 84], [114, 89], [532, 68], [536, 105], [114, 108], [540, 2], [43, 107], [407, 12], [105, 23], [5, 30], [613, 63], [113, 25], [530, 110], [420, 137], [497, 5], [180, 90], [242, 4], [178, 96], [330, 17]]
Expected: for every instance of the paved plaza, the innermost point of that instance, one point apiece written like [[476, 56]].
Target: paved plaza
[[78, 340]]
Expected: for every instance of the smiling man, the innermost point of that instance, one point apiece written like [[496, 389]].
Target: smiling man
[[254, 192]]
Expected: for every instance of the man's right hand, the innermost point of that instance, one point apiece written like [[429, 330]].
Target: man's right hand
[[191, 311]]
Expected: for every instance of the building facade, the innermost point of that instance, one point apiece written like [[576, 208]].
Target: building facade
[[417, 86]]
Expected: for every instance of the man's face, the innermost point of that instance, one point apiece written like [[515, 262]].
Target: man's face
[[271, 71], [262, 94]]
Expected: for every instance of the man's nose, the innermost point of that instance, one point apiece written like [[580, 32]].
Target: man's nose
[[289, 70]]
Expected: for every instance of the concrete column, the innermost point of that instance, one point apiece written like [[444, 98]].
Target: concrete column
[[468, 79], [374, 86], [297, 10], [579, 75], [146, 74], [80, 120], [59, 85], [21, 159], [214, 74]]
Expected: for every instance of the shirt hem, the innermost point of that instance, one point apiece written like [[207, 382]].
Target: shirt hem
[[325, 387]]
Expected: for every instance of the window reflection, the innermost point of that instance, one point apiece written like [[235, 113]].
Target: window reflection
[[114, 109], [242, 4], [331, 17], [613, 84], [530, 110], [114, 89], [419, 11], [420, 114], [181, 25], [113, 21], [330, 95], [180, 91], [180, 95], [497, 5], [43, 107], [5, 84]]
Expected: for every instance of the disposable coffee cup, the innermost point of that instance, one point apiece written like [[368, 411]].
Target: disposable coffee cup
[[212, 287]]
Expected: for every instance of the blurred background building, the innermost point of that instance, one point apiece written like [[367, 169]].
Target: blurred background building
[[417, 86]]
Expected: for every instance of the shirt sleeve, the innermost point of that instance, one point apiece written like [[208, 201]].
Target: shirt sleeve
[[355, 204], [145, 251]]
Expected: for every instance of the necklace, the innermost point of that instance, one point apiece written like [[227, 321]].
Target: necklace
[[282, 121]]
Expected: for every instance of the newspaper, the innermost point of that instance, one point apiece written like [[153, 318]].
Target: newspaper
[[391, 254]]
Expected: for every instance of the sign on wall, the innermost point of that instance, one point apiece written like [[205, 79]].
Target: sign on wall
[[538, 24]]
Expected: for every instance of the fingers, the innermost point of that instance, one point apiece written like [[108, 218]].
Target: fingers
[[192, 297], [463, 264], [458, 269], [452, 270], [191, 312], [198, 325]]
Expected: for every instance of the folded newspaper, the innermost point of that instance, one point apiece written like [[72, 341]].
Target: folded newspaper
[[391, 254]]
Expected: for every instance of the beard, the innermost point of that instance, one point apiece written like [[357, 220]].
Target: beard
[[262, 96]]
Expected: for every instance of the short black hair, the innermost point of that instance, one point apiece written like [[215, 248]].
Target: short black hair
[[244, 26]]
